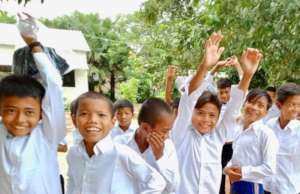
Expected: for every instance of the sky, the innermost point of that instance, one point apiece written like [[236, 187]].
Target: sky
[[53, 8]]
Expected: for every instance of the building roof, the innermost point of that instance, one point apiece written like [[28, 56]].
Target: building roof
[[67, 43], [56, 38]]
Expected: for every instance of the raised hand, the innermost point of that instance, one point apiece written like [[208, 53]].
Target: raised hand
[[213, 50], [250, 60]]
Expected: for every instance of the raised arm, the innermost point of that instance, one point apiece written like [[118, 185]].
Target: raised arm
[[250, 60], [53, 117], [170, 77], [194, 88]]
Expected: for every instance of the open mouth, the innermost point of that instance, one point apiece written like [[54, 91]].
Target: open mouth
[[93, 129]]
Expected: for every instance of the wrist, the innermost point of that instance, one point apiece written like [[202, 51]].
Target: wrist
[[35, 46]]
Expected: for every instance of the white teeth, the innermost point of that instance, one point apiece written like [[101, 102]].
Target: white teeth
[[92, 129]]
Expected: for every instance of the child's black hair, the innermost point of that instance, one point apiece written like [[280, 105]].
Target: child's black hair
[[123, 103], [151, 111], [287, 90], [92, 95], [271, 89], [208, 97], [256, 93], [21, 86], [223, 83], [175, 103]]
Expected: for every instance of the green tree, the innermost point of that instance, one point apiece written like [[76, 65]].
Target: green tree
[[5, 18]]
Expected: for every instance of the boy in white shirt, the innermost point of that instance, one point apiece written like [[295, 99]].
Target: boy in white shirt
[[197, 139], [124, 112], [97, 165], [273, 111], [151, 141], [32, 126], [287, 130]]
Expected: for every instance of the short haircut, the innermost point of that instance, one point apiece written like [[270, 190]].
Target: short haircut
[[21, 86], [223, 83], [151, 111], [271, 89], [256, 93], [208, 97], [287, 90], [175, 103], [123, 103], [92, 95]]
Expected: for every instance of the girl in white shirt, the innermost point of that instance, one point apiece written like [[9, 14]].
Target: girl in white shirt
[[254, 149]]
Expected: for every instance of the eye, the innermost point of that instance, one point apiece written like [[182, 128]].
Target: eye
[[29, 113], [101, 115], [82, 113], [9, 110]]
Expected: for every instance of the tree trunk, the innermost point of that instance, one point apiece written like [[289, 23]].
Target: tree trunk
[[112, 85]]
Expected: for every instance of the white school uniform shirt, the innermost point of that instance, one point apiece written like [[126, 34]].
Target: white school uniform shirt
[[113, 169], [167, 165], [272, 113], [199, 156], [28, 164], [287, 177], [254, 150], [116, 131]]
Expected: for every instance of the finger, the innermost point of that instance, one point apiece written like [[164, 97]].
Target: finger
[[220, 51], [157, 138]]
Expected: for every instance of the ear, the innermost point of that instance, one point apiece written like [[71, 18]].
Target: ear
[[279, 105], [146, 127], [73, 119]]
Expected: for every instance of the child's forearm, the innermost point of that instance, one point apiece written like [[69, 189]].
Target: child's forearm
[[198, 78]]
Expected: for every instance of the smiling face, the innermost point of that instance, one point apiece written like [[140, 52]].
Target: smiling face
[[224, 94], [93, 119], [205, 118], [255, 109], [20, 114], [290, 108], [163, 125]]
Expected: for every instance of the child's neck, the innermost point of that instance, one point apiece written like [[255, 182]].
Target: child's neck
[[89, 147], [283, 122], [124, 128], [141, 140]]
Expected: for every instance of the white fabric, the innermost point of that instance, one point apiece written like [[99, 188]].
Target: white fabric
[[199, 155], [272, 113], [116, 131], [77, 138], [167, 165], [28, 164], [287, 177], [113, 169], [254, 150]]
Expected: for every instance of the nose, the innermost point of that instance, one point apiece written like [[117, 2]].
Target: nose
[[93, 118], [20, 117]]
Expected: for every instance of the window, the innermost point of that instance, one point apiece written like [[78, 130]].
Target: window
[[69, 79]]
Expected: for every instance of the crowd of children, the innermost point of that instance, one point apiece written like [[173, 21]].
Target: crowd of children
[[177, 147]]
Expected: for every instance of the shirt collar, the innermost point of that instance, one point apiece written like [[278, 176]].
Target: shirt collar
[[130, 129], [256, 126], [104, 146], [293, 125]]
